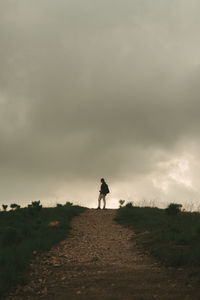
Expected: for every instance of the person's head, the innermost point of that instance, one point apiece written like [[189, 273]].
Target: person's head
[[102, 180]]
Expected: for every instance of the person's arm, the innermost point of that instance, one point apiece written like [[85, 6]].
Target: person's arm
[[101, 188]]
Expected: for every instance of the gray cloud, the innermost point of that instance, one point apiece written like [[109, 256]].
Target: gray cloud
[[91, 89]]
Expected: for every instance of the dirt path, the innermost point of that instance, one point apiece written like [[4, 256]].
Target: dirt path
[[100, 261]]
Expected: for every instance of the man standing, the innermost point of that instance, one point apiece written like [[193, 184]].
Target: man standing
[[104, 190]]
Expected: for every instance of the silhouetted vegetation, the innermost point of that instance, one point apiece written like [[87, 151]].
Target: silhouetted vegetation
[[121, 203], [69, 204], [14, 206], [170, 235], [27, 231], [4, 207], [129, 205], [173, 209], [35, 205]]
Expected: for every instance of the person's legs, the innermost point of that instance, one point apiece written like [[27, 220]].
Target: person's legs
[[104, 201], [99, 200]]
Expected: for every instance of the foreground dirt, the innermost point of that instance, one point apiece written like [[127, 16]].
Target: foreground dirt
[[100, 260]]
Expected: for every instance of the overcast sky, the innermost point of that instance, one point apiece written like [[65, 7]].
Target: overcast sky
[[92, 89]]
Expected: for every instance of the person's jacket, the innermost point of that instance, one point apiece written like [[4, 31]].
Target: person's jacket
[[104, 189]]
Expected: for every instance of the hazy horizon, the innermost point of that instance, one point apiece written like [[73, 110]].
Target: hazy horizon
[[99, 89]]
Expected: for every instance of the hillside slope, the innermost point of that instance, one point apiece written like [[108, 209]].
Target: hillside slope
[[100, 260]]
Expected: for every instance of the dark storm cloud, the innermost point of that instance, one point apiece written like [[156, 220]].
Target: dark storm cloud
[[95, 87]]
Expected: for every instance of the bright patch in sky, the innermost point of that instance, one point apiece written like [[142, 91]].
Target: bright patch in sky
[[180, 172]]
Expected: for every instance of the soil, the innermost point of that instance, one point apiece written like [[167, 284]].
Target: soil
[[100, 260]]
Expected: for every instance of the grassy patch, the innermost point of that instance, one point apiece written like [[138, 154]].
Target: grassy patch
[[26, 230], [172, 238]]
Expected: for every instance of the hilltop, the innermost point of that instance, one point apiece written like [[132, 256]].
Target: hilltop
[[100, 259]]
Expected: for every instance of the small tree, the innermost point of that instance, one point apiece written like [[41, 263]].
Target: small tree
[[121, 203], [14, 206], [4, 207]]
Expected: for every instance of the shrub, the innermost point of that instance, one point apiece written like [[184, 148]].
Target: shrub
[[129, 205], [121, 203], [35, 205], [68, 204], [173, 209], [14, 206], [5, 207], [59, 205]]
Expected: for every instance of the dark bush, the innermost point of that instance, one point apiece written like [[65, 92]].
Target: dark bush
[[173, 209], [5, 207], [129, 205], [14, 206], [68, 204], [121, 203], [35, 205]]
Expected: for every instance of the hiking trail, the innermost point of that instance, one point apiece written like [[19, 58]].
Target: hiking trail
[[100, 260]]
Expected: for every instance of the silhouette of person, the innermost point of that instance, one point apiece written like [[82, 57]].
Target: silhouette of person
[[104, 190]]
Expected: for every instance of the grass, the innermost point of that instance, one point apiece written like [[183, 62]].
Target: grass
[[25, 231], [174, 239]]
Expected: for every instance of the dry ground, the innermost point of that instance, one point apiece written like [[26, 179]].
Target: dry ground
[[100, 260]]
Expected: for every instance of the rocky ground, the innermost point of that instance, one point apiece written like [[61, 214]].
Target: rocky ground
[[100, 260]]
